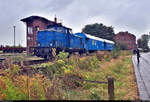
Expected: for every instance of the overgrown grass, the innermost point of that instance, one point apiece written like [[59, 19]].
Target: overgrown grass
[[48, 86]]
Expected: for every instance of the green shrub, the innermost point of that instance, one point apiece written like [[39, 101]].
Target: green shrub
[[115, 53], [63, 55], [107, 58], [16, 69], [84, 64], [12, 92], [94, 95], [126, 53], [38, 92], [94, 62], [89, 63]]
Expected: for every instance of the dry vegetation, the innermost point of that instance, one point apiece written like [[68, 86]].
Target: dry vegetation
[[18, 56], [46, 84]]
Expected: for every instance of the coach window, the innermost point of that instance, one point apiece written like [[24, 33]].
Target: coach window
[[92, 42], [95, 43]]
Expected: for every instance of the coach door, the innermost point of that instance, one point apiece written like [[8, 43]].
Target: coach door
[[105, 45], [86, 43]]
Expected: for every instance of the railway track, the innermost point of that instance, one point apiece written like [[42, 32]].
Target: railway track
[[30, 62]]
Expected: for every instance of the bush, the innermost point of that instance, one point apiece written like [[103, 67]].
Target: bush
[[100, 55], [121, 46], [88, 63], [84, 64], [16, 69], [107, 58], [62, 55], [11, 92], [125, 53], [94, 62], [94, 95], [115, 53]]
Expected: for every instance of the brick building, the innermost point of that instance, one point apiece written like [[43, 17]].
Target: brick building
[[126, 38], [33, 25]]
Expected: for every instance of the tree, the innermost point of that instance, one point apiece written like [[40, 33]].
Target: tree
[[19, 45], [144, 41], [121, 46], [99, 30]]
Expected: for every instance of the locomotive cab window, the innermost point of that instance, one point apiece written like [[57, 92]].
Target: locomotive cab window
[[60, 29], [52, 29], [38, 44], [51, 44]]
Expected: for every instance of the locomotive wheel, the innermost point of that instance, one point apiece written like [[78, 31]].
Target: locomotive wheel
[[49, 58]]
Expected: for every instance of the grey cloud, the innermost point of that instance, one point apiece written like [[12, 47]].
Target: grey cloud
[[132, 15]]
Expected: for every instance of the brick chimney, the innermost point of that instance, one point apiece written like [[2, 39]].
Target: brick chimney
[[55, 19]]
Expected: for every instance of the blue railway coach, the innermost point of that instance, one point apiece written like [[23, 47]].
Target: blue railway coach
[[92, 43]]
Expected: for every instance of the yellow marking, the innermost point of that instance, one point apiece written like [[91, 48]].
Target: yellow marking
[[54, 52], [32, 53]]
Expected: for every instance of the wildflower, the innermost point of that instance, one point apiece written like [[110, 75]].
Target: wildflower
[[67, 71], [61, 62]]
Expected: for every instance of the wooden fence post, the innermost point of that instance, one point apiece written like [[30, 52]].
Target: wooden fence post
[[111, 88], [22, 63]]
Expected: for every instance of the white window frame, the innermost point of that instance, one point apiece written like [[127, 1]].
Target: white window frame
[[30, 30]]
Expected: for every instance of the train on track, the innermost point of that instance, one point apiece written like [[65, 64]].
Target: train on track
[[60, 38], [11, 49]]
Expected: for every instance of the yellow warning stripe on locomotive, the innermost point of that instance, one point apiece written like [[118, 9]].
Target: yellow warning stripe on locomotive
[[54, 52]]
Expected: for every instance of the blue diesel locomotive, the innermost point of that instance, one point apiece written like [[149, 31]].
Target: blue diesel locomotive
[[59, 38]]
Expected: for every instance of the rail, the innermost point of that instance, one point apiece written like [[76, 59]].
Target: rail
[[31, 62]]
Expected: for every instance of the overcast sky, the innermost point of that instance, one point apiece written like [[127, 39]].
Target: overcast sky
[[123, 15]]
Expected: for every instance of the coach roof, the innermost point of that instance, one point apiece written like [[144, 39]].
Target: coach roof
[[94, 38]]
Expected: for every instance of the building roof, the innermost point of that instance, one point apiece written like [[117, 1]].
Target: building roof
[[125, 33], [35, 17], [28, 19]]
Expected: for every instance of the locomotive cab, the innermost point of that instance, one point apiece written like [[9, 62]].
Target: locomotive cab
[[52, 40]]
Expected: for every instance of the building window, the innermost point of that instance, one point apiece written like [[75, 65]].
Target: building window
[[37, 28], [30, 30], [29, 38]]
